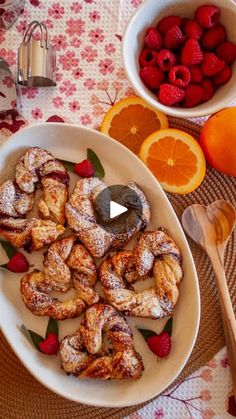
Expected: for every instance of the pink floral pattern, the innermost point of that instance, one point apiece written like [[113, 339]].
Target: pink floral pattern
[[56, 11], [90, 78]]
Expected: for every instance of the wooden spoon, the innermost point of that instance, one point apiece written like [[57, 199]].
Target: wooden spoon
[[211, 227]]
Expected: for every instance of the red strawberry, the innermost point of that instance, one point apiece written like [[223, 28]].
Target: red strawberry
[[50, 345], [179, 75], [213, 37], [196, 73], [192, 29], [153, 40], [165, 59], [227, 52], [208, 88], [193, 95], [207, 15], [223, 76], [147, 58], [84, 168], [211, 64], [18, 263], [167, 22], [151, 76], [160, 345], [174, 38], [170, 95], [191, 53]]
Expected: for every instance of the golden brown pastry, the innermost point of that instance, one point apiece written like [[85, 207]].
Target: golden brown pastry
[[81, 218], [36, 166], [40, 166], [83, 354], [66, 265], [32, 233], [155, 254]]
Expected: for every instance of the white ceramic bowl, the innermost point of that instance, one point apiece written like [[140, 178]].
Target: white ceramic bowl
[[70, 142], [148, 15]]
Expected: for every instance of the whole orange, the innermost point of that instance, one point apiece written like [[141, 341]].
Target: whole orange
[[218, 141]]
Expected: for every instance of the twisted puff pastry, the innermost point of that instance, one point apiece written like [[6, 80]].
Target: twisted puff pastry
[[32, 233], [83, 353], [81, 218], [155, 253], [17, 198], [38, 165], [66, 265]]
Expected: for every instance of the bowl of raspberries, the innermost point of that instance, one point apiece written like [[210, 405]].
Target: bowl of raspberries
[[180, 56]]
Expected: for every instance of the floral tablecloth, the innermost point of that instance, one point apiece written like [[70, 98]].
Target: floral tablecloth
[[87, 36]]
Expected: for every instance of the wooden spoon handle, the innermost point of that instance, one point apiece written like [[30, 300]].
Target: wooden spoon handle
[[228, 317]]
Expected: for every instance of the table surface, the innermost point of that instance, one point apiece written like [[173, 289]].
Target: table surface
[[90, 77]]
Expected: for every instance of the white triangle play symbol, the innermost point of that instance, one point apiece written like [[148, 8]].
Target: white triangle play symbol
[[116, 209]]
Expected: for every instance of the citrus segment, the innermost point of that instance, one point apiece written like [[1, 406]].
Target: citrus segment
[[132, 120], [176, 160]]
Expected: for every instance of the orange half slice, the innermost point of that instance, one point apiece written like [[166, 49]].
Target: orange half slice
[[176, 160]]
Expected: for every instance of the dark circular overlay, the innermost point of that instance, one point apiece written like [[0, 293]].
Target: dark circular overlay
[[125, 196]]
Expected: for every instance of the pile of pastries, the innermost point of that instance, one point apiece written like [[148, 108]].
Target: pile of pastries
[[71, 263]]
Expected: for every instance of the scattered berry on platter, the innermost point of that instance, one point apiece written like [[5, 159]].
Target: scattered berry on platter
[[160, 344]]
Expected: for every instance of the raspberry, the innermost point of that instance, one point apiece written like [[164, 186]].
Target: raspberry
[[151, 76], [174, 38], [227, 52], [170, 95], [192, 29], [165, 59], [223, 76], [153, 40], [193, 95], [179, 75], [177, 59], [18, 263], [191, 53], [50, 345], [213, 37], [160, 345], [207, 16], [84, 168], [211, 64], [167, 22], [147, 58], [208, 88], [196, 73]]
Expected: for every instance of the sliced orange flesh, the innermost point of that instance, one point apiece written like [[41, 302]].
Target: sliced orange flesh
[[176, 160], [166, 167], [132, 120]]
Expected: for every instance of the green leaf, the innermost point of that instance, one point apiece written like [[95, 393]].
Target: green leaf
[[9, 248], [68, 165], [32, 337], [52, 327], [146, 333], [168, 326], [97, 165]]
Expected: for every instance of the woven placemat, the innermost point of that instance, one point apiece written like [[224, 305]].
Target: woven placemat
[[22, 397]]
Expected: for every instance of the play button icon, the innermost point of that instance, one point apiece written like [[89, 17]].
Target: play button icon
[[122, 209], [116, 209]]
